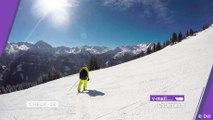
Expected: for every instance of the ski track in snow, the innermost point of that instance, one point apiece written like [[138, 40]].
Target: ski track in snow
[[122, 92]]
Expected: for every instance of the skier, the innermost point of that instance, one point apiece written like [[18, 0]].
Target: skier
[[84, 78]]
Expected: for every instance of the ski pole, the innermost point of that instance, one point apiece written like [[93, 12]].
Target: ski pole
[[73, 85]]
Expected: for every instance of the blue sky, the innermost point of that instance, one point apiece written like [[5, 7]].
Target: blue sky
[[111, 22]]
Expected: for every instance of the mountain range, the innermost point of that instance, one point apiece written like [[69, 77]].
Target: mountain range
[[25, 62]]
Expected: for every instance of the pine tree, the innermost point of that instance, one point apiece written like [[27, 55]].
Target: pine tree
[[164, 44], [45, 78], [191, 32], [53, 74], [142, 54], [205, 26], [187, 33], [174, 38], [180, 37], [154, 47], [148, 51], [158, 46], [94, 63], [168, 42]]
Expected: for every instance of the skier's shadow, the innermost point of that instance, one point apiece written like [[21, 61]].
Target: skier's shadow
[[94, 93]]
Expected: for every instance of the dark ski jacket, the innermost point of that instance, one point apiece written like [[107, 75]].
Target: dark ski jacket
[[84, 74]]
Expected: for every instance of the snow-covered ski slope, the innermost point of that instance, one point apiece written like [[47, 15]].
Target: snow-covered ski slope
[[122, 92]]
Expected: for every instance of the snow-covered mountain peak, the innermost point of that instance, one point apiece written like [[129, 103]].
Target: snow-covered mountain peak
[[13, 48], [131, 50], [42, 47], [42, 44]]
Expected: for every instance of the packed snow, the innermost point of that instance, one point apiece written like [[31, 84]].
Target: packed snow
[[122, 92]]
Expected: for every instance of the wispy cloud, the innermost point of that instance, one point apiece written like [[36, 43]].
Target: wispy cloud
[[121, 4], [157, 8]]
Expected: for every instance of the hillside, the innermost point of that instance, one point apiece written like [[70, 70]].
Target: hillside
[[122, 92]]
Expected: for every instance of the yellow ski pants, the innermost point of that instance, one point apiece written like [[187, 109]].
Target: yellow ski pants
[[80, 84]]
